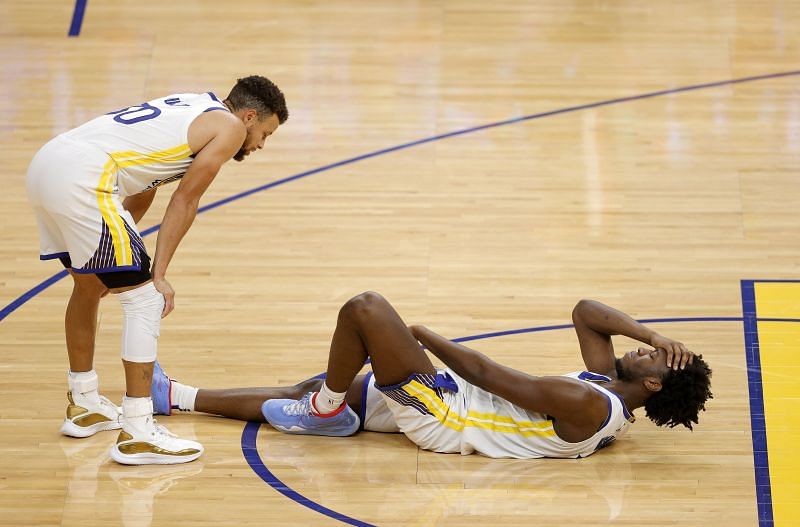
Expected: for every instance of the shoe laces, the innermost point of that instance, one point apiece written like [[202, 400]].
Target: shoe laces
[[161, 430], [299, 407], [106, 404]]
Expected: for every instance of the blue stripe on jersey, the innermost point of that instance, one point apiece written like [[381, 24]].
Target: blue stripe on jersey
[[593, 377], [608, 417], [597, 378]]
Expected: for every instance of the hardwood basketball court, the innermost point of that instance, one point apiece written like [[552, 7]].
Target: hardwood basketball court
[[482, 165]]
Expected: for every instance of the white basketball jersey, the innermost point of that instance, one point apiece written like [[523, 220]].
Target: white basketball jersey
[[498, 428], [148, 143]]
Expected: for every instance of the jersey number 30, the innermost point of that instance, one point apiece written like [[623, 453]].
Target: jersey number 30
[[136, 114]]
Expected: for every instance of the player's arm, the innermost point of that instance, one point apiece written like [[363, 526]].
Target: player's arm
[[138, 204], [182, 208], [576, 407], [596, 322]]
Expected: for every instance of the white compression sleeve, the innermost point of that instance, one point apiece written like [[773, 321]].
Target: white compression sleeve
[[141, 322]]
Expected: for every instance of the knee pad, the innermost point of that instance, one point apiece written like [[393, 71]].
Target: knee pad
[[141, 322]]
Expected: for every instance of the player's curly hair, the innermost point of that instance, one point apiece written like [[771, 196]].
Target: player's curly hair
[[682, 396], [260, 94]]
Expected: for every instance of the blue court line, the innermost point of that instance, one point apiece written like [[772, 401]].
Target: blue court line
[[567, 326], [77, 18], [250, 432], [758, 423], [7, 310], [250, 451], [16, 304]]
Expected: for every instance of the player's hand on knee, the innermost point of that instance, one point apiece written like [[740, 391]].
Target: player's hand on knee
[[164, 287]]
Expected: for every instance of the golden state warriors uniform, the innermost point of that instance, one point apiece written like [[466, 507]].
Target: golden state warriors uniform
[[76, 180], [444, 413]]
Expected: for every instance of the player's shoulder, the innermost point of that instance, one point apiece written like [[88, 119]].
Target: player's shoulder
[[221, 121], [569, 385]]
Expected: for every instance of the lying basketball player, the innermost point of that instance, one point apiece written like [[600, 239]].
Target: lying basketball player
[[473, 404]]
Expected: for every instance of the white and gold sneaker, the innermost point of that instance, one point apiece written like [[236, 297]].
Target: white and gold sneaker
[[142, 441], [88, 418]]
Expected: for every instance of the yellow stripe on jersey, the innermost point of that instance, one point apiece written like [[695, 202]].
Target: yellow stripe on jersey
[[132, 158], [123, 255], [487, 421]]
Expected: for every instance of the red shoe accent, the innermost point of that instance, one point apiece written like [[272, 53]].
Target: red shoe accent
[[170, 396], [329, 414]]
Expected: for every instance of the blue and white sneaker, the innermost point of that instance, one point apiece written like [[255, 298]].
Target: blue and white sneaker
[[298, 417], [160, 391]]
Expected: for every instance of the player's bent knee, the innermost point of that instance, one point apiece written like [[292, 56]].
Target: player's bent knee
[[362, 307], [141, 324], [88, 286]]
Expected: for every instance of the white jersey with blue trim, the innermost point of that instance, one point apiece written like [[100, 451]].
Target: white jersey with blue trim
[[497, 428], [147, 144]]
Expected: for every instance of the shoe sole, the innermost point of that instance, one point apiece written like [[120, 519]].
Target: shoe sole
[[68, 428], [296, 430], [150, 459]]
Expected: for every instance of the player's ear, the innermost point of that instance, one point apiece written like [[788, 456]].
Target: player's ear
[[249, 116], [652, 384]]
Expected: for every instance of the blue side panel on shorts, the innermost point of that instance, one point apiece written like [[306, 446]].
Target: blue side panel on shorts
[[53, 256], [104, 259], [437, 383]]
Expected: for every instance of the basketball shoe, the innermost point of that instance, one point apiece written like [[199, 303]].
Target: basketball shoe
[[142, 441], [299, 417], [88, 418], [161, 391]]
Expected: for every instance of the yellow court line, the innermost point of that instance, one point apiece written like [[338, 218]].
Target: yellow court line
[[779, 350]]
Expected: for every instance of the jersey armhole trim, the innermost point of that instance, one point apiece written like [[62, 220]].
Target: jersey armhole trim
[[608, 416]]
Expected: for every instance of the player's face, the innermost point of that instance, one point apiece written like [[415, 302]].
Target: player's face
[[257, 132], [645, 362]]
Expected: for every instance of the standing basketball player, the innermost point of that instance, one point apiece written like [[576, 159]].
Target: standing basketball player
[[89, 186]]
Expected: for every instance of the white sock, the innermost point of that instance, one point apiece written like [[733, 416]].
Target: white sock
[[183, 395], [84, 387], [327, 400], [137, 414]]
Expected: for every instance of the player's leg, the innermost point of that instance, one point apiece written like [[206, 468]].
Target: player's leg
[[234, 403], [80, 321], [141, 440], [88, 412], [367, 326]]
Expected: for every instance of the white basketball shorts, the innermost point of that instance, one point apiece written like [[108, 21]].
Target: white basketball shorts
[[72, 188]]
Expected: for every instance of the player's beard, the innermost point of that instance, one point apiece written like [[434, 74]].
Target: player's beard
[[240, 155], [621, 373]]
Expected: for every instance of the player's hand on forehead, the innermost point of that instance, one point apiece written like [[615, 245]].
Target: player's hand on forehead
[[678, 356]]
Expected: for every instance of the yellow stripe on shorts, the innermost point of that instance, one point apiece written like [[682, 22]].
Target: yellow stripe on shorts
[[123, 253]]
